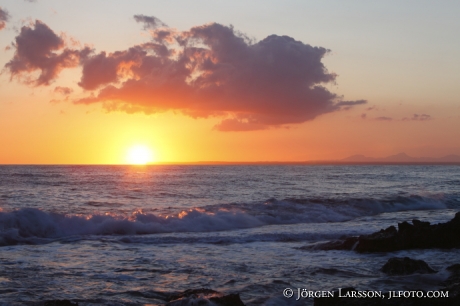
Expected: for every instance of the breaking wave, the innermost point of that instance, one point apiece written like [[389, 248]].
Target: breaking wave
[[34, 226]]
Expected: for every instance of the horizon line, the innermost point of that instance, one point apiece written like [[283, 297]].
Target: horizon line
[[211, 163]]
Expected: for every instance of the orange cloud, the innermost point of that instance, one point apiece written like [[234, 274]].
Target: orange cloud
[[212, 70], [209, 70]]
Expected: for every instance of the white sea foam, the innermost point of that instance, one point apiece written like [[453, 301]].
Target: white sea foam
[[33, 225]]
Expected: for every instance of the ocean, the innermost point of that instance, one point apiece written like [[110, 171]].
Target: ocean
[[132, 235]]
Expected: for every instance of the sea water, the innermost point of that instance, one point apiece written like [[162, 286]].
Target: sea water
[[133, 235]]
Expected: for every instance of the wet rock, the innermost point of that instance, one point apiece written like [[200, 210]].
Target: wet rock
[[454, 268], [228, 300], [418, 235], [418, 223], [202, 297], [452, 283], [405, 266], [60, 303], [376, 242]]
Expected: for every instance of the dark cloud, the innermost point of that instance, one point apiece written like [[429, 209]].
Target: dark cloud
[[384, 119], [150, 22], [417, 117], [102, 69], [372, 108], [212, 70], [363, 116], [4, 17], [63, 90], [351, 103], [38, 48]]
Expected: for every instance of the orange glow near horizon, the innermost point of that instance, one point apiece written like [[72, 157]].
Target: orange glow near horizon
[[131, 101]]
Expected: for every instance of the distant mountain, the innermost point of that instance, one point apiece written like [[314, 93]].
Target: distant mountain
[[402, 158], [358, 158]]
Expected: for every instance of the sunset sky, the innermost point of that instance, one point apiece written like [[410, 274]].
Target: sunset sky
[[85, 82]]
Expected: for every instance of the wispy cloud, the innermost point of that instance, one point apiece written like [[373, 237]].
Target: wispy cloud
[[417, 117], [372, 108], [150, 22], [63, 90], [384, 119]]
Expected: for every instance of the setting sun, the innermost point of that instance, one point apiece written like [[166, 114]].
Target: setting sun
[[139, 155]]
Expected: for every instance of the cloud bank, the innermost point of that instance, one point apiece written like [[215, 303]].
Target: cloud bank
[[213, 70], [209, 70]]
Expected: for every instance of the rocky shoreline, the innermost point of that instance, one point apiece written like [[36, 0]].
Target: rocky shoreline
[[418, 235]]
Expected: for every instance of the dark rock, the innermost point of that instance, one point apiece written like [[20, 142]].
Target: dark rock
[[454, 279], [384, 239], [418, 235], [455, 268], [452, 284], [60, 303], [228, 300], [406, 266], [418, 223], [203, 297]]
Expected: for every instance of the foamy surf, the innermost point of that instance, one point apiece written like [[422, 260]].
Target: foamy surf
[[30, 225]]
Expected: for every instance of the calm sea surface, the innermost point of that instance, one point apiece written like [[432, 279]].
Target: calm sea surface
[[122, 235]]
